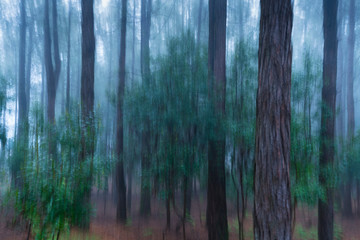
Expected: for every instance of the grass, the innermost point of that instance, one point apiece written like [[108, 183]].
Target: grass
[[312, 233]]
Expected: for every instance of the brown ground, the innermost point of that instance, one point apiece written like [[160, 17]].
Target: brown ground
[[104, 226]]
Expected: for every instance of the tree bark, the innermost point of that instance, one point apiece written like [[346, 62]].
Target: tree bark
[[52, 71], [87, 98], [121, 206], [272, 196], [146, 11], [327, 129], [216, 193]]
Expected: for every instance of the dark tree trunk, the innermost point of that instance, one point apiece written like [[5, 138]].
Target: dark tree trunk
[[22, 134], [129, 190], [52, 74], [121, 188], [272, 197], [87, 98], [146, 10], [68, 62], [216, 193], [350, 105], [327, 129], [131, 163]]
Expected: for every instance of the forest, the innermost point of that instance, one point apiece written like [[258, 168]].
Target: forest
[[179, 119]]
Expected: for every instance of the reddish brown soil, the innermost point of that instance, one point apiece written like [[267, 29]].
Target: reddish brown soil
[[104, 226]]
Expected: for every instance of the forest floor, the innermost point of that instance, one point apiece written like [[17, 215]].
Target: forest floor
[[104, 226]]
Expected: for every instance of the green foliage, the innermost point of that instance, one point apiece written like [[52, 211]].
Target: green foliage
[[173, 106], [241, 115], [304, 140], [52, 191]]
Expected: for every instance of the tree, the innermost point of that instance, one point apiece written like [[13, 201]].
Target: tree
[[22, 91], [350, 102], [121, 188], [146, 10], [52, 72], [216, 192], [272, 197], [327, 128], [87, 100], [22, 135], [68, 61]]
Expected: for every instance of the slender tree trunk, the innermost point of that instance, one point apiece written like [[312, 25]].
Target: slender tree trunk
[[216, 193], [133, 44], [42, 86], [199, 22], [23, 111], [146, 11], [121, 206], [87, 99], [129, 191], [28, 66], [272, 196], [350, 105], [21, 94], [131, 163], [52, 73], [68, 61], [327, 129]]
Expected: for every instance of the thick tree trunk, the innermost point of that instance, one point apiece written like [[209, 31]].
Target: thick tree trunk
[[327, 129], [146, 11], [121, 188], [272, 197], [216, 193]]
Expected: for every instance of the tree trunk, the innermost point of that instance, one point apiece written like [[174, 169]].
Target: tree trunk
[[22, 135], [52, 73], [146, 11], [350, 105], [199, 22], [216, 193], [23, 111], [28, 67], [327, 129], [87, 99], [68, 62], [121, 206], [272, 196]]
